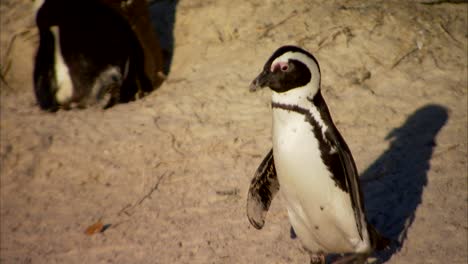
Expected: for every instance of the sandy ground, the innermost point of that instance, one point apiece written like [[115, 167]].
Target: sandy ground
[[170, 172]]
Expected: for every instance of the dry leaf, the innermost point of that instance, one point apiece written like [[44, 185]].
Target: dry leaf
[[94, 228]]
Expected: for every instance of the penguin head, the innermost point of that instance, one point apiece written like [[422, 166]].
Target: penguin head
[[289, 68]]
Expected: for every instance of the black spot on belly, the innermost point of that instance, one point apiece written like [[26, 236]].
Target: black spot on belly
[[321, 208], [316, 227]]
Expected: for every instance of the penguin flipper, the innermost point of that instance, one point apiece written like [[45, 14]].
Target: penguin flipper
[[347, 173], [353, 187], [262, 189], [351, 175]]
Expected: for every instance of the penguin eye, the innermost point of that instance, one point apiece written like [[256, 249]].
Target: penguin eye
[[282, 66]]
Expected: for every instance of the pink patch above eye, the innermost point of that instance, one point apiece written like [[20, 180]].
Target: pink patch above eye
[[281, 65]]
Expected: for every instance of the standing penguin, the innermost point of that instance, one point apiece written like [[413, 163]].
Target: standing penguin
[[312, 163]]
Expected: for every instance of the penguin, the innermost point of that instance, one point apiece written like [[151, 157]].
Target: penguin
[[88, 55], [312, 164]]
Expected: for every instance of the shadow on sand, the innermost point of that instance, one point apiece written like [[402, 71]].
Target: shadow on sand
[[393, 185], [162, 15]]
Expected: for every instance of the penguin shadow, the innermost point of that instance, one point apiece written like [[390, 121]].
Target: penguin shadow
[[393, 185], [162, 15]]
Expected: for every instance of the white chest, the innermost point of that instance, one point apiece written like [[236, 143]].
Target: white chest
[[320, 213], [298, 161]]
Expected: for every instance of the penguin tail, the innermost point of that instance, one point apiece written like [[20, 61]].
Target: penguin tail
[[378, 241]]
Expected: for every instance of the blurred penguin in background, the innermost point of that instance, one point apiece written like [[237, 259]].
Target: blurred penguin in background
[[94, 52]]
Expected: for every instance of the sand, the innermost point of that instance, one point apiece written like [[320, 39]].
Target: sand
[[170, 172]]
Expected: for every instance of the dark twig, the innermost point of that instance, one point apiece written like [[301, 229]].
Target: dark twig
[[404, 57], [5, 69], [173, 137], [449, 34], [152, 190], [230, 192], [3, 79], [271, 27], [146, 196]]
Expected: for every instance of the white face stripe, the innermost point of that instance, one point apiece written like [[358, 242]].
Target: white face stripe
[[300, 93], [298, 96], [311, 64]]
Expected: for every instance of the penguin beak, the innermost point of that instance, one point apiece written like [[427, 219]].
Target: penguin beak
[[261, 81]]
